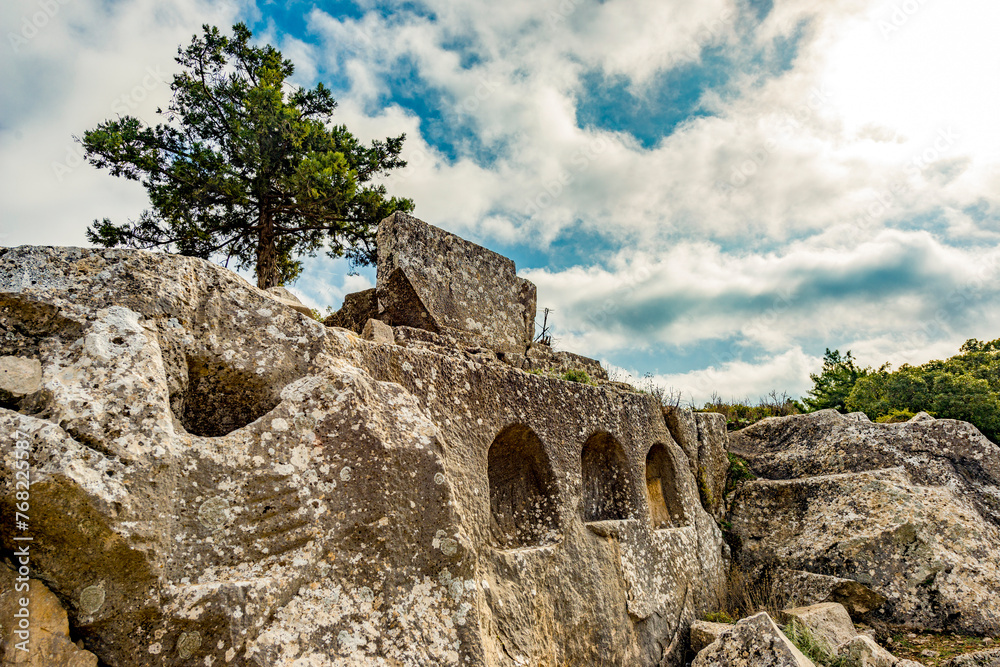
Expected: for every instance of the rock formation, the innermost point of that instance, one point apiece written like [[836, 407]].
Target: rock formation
[[218, 479], [907, 510]]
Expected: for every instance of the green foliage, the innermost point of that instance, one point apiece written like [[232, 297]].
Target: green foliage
[[812, 646], [719, 617], [740, 414], [739, 471], [247, 166], [834, 383], [965, 387], [896, 417], [575, 375]]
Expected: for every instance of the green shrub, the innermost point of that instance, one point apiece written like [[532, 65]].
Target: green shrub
[[576, 375], [719, 617], [739, 471], [896, 416]]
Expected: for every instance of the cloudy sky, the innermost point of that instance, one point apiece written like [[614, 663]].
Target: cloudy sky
[[711, 191]]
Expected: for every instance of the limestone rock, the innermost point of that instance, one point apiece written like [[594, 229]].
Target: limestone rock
[[218, 480], [47, 630], [807, 588], [753, 642], [378, 331], [430, 279], [19, 377], [357, 309], [704, 633], [827, 621], [286, 298], [928, 553], [703, 437], [863, 651], [934, 452], [990, 658]]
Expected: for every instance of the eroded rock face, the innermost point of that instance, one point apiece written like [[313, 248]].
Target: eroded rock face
[[934, 452], [929, 554], [219, 479]]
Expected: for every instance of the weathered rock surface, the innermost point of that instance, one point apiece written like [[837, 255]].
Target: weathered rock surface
[[827, 621], [19, 377], [703, 437], [45, 640], [430, 279], [863, 651], [929, 554], [753, 642], [909, 510], [934, 452], [357, 309], [286, 298], [989, 658], [802, 588], [220, 480], [704, 633]]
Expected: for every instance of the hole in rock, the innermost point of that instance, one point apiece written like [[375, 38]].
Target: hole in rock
[[219, 398], [665, 508], [607, 488], [522, 489]]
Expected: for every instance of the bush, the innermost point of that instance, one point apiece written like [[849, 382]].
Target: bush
[[576, 376], [896, 417]]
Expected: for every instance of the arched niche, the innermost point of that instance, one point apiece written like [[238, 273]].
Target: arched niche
[[522, 490], [665, 507], [608, 492]]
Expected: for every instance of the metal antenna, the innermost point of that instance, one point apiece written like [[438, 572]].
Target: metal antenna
[[545, 338]]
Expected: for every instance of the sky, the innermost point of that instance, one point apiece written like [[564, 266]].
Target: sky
[[711, 192]]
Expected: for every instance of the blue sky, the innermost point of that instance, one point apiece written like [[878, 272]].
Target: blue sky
[[710, 191]]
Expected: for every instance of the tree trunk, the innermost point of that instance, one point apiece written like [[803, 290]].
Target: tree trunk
[[267, 252]]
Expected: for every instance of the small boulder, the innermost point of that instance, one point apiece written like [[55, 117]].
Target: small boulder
[[704, 633], [863, 651], [378, 332], [286, 298], [753, 642], [828, 621], [19, 377], [990, 658], [807, 588]]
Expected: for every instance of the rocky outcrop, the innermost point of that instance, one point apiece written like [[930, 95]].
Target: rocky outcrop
[[704, 633], [703, 437], [989, 658], [922, 549], [933, 452], [754, 641], [218, 479]]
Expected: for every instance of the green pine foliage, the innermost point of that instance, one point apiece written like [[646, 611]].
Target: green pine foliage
[[247, 166], [965, 386]]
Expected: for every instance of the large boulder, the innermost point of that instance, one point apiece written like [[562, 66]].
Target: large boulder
[[828, 621], [703, 437], [753, 642], [218, 479], [990, 658], [929, 554], [801, 588], [934, 452], [430, 279]]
